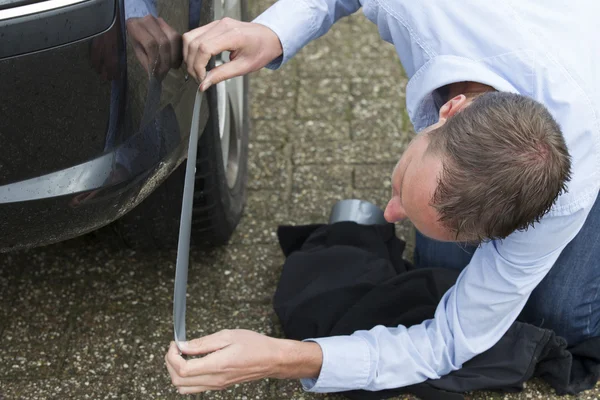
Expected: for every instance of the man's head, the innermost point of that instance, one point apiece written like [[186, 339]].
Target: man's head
[[493, 163]]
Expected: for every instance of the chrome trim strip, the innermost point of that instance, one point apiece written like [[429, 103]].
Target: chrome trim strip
[[36, 8]]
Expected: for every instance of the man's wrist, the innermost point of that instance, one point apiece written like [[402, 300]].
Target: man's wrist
[[298, 360]]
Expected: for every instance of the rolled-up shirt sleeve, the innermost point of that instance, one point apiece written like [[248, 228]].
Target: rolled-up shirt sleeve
[[471, 317], [297, 22]]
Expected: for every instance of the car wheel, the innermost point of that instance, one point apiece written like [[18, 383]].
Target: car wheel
[[221, 169]]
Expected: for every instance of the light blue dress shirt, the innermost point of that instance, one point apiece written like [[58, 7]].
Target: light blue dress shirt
[[548, 50]]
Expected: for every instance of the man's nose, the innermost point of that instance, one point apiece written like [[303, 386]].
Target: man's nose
[[394, 211]]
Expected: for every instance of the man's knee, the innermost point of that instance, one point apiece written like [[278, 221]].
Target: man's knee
[[572, 315]]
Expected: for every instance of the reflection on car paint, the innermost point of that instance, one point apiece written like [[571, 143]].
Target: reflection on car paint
[[96, 123]]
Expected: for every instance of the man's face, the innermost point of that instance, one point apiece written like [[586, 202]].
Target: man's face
[[414, 181]]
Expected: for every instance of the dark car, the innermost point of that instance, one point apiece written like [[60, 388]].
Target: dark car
[[95, 115]]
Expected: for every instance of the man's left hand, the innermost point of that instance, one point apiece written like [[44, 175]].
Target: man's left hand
[[236, 356]]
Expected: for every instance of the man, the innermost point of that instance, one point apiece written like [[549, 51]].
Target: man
[[498, 93]]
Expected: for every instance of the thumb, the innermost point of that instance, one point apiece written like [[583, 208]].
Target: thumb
[[204, 345], [225, 71]]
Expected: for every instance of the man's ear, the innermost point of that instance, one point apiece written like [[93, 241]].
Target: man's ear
[[453, 106]]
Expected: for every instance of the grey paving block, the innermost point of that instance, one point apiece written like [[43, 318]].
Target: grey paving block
[[104, 341], [348, 152], [256, 7], [325, 99], [292, 390], [122, 283], [266, 204], [388, 127], [256, 231], [321, 177], [296, 130], [249, 273], [90, 387], [310, 206], [377, 107], [386, 87], [9, 283], [349, 49], [152, 386], [377, 120], [280, 84], [270, 130], [272, 108], [268, 166], [33, 342], [373, 176], [273, 93], [244, 391]]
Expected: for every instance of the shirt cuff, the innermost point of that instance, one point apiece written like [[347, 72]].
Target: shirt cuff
[[347, 365], [294, 23]]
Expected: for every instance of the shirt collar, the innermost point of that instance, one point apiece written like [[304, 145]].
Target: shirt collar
[[441, 71]]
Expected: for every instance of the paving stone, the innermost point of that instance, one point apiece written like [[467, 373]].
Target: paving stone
[[156, 385], [373, 176], [296, 130], [292, 390], [256, 7], [348, 152], [273, 84], [388, 127], [271, 108], [378, 108], [102, 342], [268, 166], [91, 387], [256, 231], [387, 87], [245, 391], [249, 273], [310, 206], [9, 282], [266, 204], [323, 99], [268, 130], [321, 177], [349, 50], [34, 340], [273, 93], [113, 283]]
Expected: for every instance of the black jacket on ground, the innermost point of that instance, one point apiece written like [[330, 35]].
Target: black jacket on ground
[[345, 277]]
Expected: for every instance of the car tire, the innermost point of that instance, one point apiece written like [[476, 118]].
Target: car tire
[[220, 185]]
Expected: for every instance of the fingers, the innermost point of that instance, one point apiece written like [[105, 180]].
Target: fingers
[[206, 344], [191, 35], [195, 373], [200, 48], [224, 72]]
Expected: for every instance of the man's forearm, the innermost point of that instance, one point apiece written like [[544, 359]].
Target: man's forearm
[[299, 360]]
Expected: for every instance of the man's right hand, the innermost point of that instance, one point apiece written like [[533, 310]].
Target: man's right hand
[[251, 47]]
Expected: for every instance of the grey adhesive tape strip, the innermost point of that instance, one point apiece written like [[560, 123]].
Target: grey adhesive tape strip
[[185, 227], [359, 211]]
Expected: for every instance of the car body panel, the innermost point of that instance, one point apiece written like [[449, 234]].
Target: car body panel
[[89, 128]]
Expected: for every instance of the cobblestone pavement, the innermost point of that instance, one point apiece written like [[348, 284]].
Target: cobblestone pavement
[[91, 320]]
